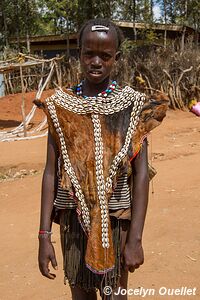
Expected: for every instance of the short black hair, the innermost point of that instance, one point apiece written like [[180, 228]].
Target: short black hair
[[104, 22]]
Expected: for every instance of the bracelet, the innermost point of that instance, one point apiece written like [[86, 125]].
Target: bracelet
[[41, 232]]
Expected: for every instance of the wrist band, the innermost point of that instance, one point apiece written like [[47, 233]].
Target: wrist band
[[45, 232]]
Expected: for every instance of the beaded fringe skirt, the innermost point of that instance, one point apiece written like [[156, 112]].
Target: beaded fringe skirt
[[74, 242]]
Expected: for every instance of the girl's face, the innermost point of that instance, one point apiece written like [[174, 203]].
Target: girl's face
[[98, 55]]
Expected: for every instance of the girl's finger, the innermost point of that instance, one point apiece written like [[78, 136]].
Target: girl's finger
[[54, 263], [46, 272], [131, 269], [136, 266]]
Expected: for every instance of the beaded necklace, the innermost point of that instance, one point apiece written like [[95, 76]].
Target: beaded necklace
[[79, 90]]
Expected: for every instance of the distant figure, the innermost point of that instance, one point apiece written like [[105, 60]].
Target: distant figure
[[96, 179]]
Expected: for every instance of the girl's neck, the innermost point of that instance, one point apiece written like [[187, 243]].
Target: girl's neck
[[92, 90]]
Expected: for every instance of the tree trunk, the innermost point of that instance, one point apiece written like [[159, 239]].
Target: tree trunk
[[151, 10], [18, 24], [23, 102], [165, 19], [67, 38], [134, 18], [28, 44], [183, 39], [184, 26], [5, 28], [165, 38], [27, 27]]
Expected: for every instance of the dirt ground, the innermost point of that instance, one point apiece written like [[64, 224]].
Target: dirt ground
[[171, 236]]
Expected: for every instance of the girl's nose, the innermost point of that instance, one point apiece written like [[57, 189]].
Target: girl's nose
[[96, 62]]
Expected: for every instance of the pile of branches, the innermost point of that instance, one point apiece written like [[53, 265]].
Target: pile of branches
[[24, 73], [66, 73], [146, 68], [151, 68]]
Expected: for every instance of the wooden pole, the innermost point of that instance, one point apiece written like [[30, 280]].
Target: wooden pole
[[23, 102], [58, 73]]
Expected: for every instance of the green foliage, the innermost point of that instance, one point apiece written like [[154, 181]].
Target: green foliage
[[60, 14], [127, 47], [92, 9], [68, 16], [185, 12], [193, 16], [23, 18], [151, 36], [18, 18], [138, 11]]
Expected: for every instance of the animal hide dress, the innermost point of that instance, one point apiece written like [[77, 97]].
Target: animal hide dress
[[97, 138]]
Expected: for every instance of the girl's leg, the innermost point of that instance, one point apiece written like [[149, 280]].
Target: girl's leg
[[123, 281], [81, 294]]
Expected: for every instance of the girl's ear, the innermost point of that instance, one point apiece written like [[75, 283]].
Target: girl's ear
[[118, 54], [79, 53]]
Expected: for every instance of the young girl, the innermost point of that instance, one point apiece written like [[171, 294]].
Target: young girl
[[96, 176]]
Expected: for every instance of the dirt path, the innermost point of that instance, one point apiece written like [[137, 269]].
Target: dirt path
[[171, 237]]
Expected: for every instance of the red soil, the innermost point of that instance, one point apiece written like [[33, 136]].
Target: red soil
[[171, 236]]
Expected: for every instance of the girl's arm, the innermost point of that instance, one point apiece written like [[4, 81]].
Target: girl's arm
[[133, 252], [46, 250]]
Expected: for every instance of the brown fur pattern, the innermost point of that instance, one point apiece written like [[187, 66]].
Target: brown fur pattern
[[153, 112]]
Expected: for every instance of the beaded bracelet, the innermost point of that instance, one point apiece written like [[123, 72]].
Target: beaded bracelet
[[42, 232]]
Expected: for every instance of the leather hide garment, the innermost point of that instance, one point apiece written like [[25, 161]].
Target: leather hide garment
[[79, 137]]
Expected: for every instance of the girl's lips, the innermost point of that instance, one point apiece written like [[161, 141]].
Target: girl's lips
[[95, 72]]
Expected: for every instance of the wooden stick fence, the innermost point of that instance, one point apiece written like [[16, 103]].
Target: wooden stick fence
[[21, 131]]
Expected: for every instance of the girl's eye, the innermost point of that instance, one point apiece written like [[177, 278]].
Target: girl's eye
[[106, 56], [88, 54], [103, 56]]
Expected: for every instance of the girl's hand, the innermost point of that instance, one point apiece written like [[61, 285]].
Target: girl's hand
[[133, 256], [46, 254]]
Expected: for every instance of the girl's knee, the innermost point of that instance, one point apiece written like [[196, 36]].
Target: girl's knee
[[81, 294], [122, 285], [123, 281]]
